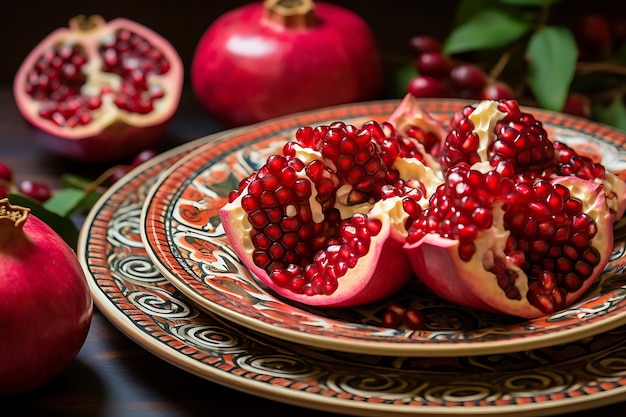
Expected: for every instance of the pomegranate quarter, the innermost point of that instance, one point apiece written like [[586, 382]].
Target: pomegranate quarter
[[99, 91], [522, 225], [490, 213]]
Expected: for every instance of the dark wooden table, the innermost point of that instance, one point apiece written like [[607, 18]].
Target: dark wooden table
[[112, 376]]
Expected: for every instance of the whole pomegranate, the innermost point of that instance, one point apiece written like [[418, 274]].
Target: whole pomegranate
[[45, 304], [271, 58], [99, 91], [521, 225], [324, 222]]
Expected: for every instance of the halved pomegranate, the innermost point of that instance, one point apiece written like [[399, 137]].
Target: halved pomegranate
[[521, 224], [99, 91], [324, 223]]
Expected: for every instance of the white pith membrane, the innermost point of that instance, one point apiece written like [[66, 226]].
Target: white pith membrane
[[616, 194], [471, 283], [410, 114], [108, 115]]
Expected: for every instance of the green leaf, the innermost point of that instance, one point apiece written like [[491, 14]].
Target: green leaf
[[487, 29], [614, 114], [81, 183], [398, 83], [62, 225], [65, 201], [468, 8], [552, 55], [74, 181]]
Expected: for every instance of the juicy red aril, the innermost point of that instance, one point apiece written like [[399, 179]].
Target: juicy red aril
[[52, 78], [299, 254], [396, 315], [130, 54], [540, 230], [434, 64], [35, 190], [569, 162], [423, 43], [320, 273], [462, 143], [363, 167], [454, 207], [468, 77], [57, 78], [426, 86], [520, 139]]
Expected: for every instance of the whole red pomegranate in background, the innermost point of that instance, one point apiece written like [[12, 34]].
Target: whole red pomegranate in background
[[99, 91], [272, 58], [45, 304]]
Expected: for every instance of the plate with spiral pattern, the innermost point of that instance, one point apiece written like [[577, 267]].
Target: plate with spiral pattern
[[185, 240], [139, 300]]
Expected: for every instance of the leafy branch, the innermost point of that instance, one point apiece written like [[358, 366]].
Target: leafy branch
[[515, 40]]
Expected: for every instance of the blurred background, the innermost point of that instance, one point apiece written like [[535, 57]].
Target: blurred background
[[24, 23]]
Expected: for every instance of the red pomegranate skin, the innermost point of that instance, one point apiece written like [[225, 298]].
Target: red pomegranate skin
[[45, 308], [247, 68]]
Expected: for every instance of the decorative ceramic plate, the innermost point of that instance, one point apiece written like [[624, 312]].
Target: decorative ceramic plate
[[131, 292], [181, 228]]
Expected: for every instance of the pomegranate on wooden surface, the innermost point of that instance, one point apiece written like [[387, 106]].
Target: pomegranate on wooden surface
[[45, 304], [99, 91], [522, 225], [272, 58]]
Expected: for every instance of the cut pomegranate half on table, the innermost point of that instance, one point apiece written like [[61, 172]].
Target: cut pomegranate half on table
[[99, 91]]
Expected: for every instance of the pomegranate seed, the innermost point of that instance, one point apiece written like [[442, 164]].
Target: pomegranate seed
[[35, 190], [577, 104], [396, 315], [421, 44], [391, 319], [414, 319], [594, 37], [468, 77], [426, 86], [434, 64], [497, 90]]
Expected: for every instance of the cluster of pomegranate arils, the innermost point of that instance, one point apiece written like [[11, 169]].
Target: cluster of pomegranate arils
[[57, 79], [285, 235], [498, 217]]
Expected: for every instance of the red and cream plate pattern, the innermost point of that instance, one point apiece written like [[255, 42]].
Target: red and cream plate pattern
[[185, 240], [137, 297]]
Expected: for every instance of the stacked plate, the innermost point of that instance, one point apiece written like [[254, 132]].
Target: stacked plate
[[161, 269]]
